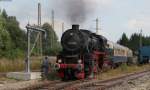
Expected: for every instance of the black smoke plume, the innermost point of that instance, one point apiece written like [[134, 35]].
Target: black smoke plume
[[75, 11]]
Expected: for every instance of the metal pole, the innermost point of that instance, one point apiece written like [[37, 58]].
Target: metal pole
[[28, 53], [29, 50], [53, 21], [53, 26], [36, 40], [39, 24], [39, 14], [97, 21], [62, 28], [141, 38]]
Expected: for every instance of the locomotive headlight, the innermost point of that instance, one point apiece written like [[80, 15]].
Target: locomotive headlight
[[79, 61], [59, 61]]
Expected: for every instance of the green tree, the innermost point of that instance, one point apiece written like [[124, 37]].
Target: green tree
[[134, 41], [4, 14], [5, 40], [17, 36], [51, 46], [124, 40], [146, 41]]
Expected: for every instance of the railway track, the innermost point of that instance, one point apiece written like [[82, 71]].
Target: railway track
[[94, 84], [43, 85], [61, 85], [103, 85], [85, 84]]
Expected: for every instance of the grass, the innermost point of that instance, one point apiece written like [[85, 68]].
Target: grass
[[122, 70], [18, 64]]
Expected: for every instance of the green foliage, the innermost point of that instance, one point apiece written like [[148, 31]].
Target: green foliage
[[124, 40], [15, 53], [123, 66], [134, 41], [51, 45], [18, 36], [4, 14], [5, 40], [12, 38]]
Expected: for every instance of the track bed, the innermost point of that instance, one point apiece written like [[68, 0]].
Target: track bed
[[95, 84]]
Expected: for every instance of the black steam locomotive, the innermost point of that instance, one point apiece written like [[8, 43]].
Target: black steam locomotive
[[85, 53], [82, 55]]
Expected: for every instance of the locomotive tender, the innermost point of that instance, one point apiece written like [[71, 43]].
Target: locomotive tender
[[85, 53]]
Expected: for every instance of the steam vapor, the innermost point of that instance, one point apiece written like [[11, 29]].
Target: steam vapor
[[75, 11]]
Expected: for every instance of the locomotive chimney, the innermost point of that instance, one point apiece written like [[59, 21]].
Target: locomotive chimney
[[75, 26]]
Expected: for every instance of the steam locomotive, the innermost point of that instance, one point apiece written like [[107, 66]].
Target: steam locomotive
[[85, 53]]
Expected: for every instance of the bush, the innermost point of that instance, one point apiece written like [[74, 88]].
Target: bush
[[15, 53]]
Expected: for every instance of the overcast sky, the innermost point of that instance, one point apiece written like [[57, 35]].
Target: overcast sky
[[116, 16]]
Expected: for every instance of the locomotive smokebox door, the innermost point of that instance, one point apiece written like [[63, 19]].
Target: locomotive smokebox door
[[75, 26]]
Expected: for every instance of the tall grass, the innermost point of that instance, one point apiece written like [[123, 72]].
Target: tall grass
[[19, 64], [122, 70]]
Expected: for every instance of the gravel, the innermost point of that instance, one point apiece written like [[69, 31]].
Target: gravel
[[142, 83], [18, 85]]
